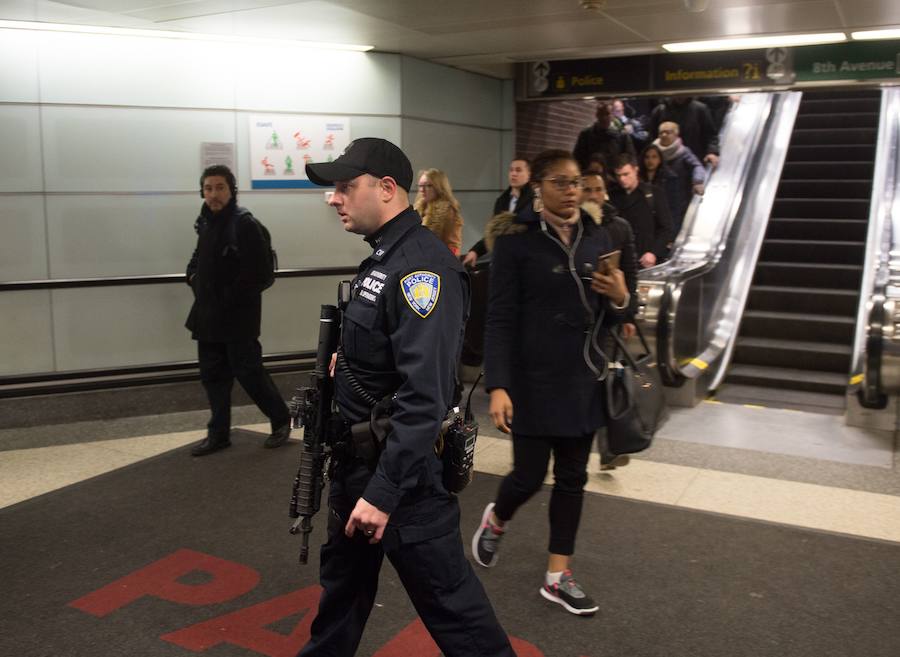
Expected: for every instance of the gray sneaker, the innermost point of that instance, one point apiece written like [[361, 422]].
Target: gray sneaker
[[486, 540], [570, 595]]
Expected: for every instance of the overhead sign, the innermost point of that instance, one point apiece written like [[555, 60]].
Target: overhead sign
[[667, 73], [740, 68], [589, 76], [848, 61]]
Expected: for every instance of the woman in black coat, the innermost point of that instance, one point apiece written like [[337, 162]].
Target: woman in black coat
[[655, 170], [547, 313]]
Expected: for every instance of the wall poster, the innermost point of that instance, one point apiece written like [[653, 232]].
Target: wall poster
[[282, 144]]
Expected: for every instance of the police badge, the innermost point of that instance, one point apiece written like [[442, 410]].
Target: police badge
[[421, 290]]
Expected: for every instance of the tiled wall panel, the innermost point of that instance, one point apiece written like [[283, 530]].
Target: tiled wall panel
[[20, 157], [135, 71], [26, 343], [19, 67], [128, 235], [128, 149], [431, 91], [23, 246], [470, 156]]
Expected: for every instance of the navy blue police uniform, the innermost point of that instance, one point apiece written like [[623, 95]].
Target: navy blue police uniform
[[402, 335]]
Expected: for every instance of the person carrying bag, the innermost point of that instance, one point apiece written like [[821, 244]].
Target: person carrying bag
[[634, 398]]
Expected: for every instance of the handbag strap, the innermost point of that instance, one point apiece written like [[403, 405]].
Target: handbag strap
[[620, 346], [640, 335]]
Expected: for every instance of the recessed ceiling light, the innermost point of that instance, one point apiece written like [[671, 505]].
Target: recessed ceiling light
[[747, 43], [866, 35], [171, 34]]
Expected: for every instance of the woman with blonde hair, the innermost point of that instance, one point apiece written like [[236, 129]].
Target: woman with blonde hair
[[439, 208]]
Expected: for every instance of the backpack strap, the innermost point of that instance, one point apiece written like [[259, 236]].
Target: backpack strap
[[231, 240]]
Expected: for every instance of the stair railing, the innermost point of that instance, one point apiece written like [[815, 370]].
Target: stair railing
[[875, 371]]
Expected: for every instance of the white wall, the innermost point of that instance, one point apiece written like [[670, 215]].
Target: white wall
[[98, 177]]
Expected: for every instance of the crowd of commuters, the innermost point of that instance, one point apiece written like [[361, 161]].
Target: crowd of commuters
[[549, 313]]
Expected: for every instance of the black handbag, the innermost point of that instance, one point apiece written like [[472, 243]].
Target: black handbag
[[635, 402]]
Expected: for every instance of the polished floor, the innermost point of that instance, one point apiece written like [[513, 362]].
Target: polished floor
[[772, 465]]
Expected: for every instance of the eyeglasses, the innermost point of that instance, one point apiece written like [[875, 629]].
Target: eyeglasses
[[562, 184]]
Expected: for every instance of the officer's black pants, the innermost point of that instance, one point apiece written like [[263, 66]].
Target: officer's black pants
[[437, 576], [531, 456], [223, 362]]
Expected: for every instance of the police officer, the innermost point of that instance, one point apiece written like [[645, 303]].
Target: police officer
[[401, 337]]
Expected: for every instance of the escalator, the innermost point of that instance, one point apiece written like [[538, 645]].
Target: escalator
[[795, 342], [691, 304]]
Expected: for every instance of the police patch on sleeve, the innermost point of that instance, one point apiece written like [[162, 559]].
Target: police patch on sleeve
[[421, 290]]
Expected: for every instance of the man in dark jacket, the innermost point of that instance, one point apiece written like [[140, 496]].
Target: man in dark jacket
[[690, 175], [517, 196], [400, 339], [228, 272], [513, 198], [593, 201], [602, 139], [644, 206]]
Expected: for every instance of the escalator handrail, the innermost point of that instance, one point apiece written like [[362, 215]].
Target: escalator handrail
[[881, 272], [691, 258], [742, 133]]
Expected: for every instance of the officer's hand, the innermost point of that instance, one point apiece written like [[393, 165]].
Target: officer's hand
[[368, 519], [629, 331], [612, 286], [470, 259], [333, 363], [501, 409]]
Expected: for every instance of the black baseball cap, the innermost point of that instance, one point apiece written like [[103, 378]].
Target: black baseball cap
[[377, 157]]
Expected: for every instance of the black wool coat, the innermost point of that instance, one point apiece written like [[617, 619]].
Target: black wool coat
[[540, 311], [650, 220], [227, 279], [623, 239], [607, 143]]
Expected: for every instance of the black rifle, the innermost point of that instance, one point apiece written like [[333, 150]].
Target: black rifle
[[311, 408]]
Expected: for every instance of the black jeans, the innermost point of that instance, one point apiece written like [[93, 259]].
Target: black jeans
[[437, 576], [223, 362], [531, 456]]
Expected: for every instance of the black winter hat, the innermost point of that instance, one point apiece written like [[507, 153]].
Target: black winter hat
[[377, 157]]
